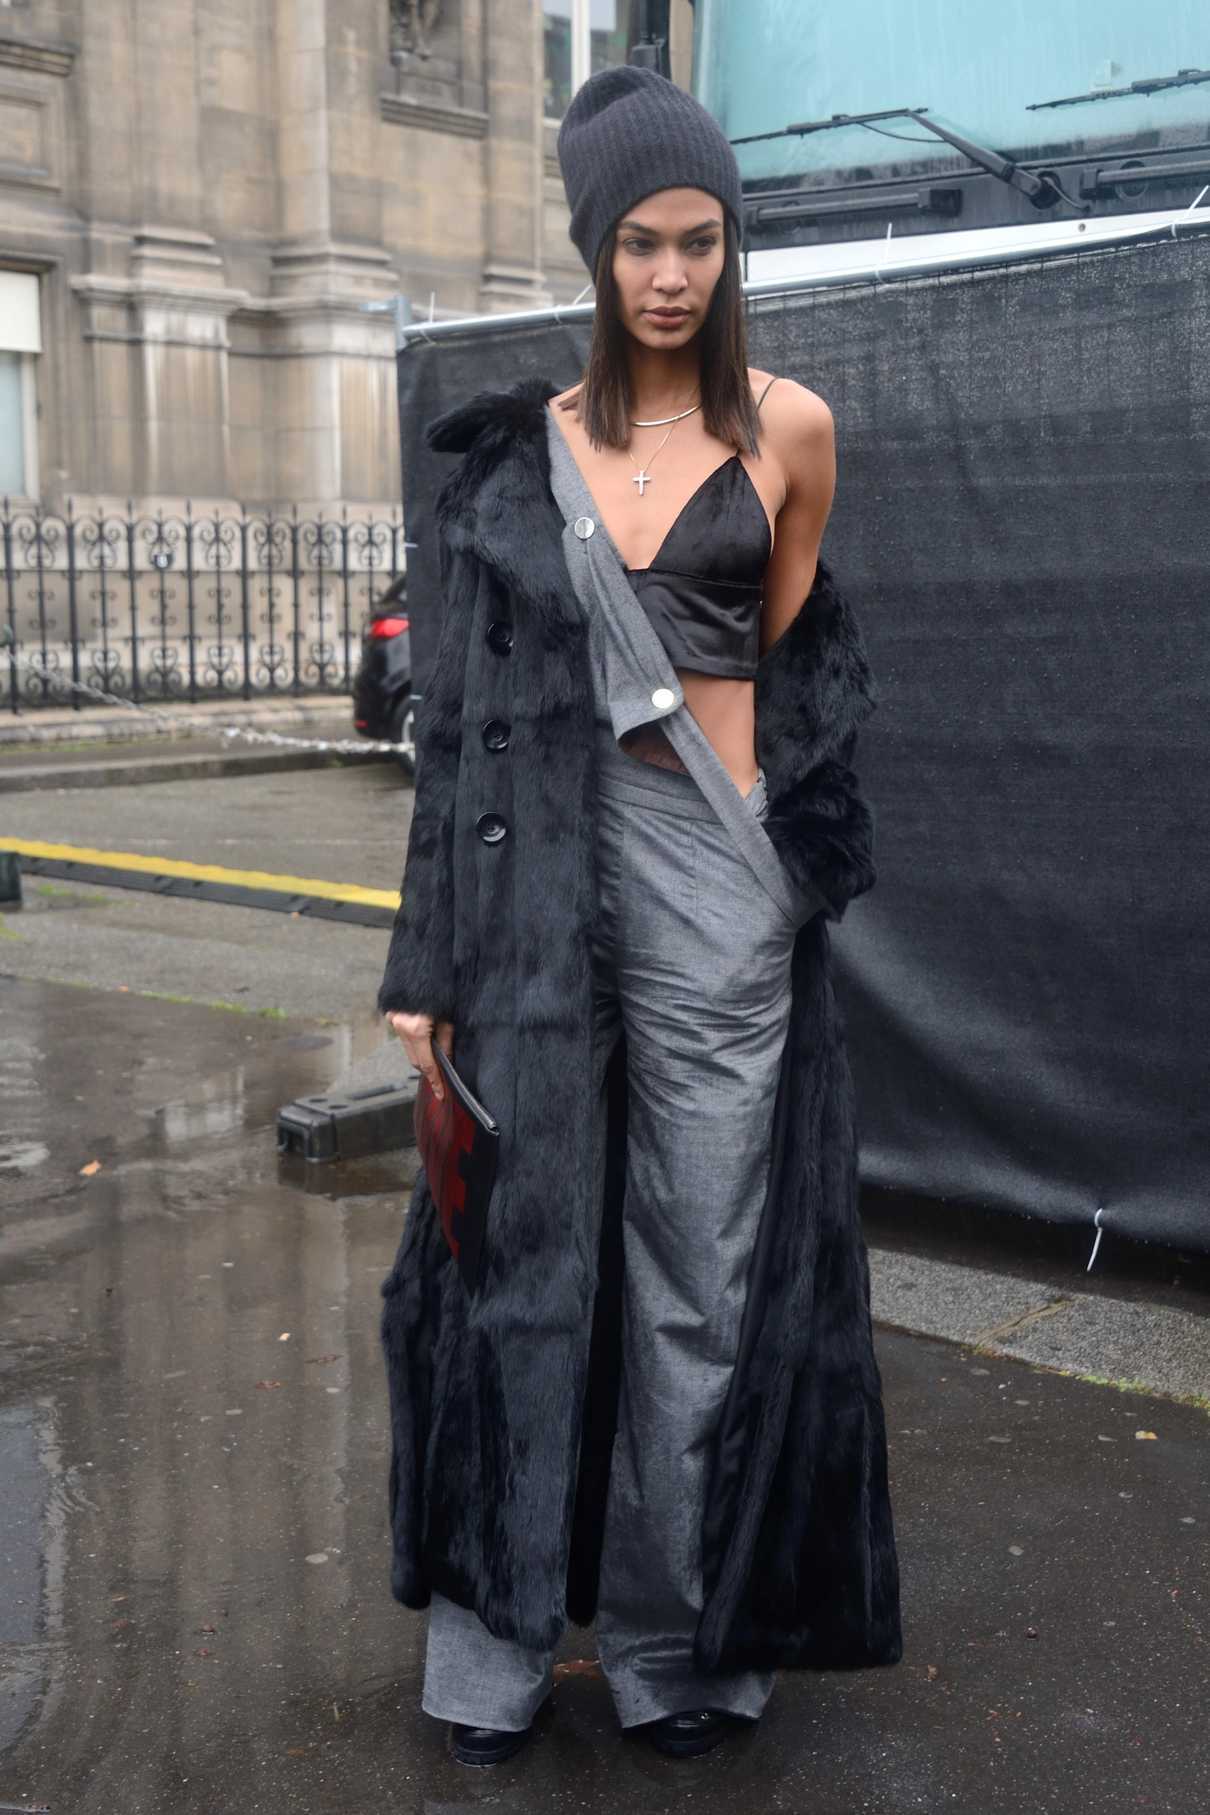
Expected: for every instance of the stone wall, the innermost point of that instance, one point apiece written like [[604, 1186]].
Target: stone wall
[[211, 190]]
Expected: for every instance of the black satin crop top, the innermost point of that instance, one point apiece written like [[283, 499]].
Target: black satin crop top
[[702, 592]]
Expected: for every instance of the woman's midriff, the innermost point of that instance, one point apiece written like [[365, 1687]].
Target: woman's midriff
[[648, 744], [725, 710]]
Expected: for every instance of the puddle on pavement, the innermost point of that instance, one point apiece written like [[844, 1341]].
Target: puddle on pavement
[[175, 1074], [337, 1180], [21, 1156], [192, 1439], [308, 1042]]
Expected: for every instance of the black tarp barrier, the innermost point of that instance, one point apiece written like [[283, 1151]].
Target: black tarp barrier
[[1022, 521]]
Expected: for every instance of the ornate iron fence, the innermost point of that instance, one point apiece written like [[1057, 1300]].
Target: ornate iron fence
[[160, 607]]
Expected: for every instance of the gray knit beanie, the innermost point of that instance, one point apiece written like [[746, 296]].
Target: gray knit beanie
[[628, 132]]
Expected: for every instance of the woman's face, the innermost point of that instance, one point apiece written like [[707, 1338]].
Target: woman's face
[[667, 257]]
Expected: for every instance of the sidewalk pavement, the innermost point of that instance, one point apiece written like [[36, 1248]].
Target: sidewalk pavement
[[107, 746], [194, 1605], [160, 719]]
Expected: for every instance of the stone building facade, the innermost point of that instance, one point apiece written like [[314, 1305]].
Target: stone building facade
[[199, 197]]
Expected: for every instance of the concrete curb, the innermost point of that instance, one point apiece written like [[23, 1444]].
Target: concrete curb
[[323, 715], [127, 772], [1135, 1344]]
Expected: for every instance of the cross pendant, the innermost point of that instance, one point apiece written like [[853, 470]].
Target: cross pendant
[[641, 479]]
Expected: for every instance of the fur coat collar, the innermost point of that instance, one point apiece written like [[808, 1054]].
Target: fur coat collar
[[503, 1408]]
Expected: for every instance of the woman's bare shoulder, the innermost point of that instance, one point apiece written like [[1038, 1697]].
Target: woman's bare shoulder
[[562, 398], [789, 405], [798, 430]]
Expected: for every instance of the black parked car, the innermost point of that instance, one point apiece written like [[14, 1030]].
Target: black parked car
[[382, 686]]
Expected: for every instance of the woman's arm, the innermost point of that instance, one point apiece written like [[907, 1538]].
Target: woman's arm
[[800, 434], [813, 686]]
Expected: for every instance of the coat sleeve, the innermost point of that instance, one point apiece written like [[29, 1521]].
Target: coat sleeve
[[823, 830], [419, 973], [814, 689]]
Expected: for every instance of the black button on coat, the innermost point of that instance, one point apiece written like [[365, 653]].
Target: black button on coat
[[503, 1407]]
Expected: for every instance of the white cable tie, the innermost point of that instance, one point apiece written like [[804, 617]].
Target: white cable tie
[[1096, 1244], [1189, 210]]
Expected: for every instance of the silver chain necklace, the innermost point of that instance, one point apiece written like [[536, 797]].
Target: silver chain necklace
[[657, 422]]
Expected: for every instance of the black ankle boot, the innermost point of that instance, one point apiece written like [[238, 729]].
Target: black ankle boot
[[485, 1745], [696, 1730]]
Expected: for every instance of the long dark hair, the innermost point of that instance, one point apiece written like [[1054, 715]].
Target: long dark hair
[[603, 402]]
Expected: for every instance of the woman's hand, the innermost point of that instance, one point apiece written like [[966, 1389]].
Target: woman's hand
[[417, 1033]]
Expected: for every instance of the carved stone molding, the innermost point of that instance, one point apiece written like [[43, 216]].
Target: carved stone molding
[[31, 134], [47, 59], [147, 310], [433, 116]]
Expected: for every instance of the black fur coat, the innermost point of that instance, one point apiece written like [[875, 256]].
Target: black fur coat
[[503, 1408]]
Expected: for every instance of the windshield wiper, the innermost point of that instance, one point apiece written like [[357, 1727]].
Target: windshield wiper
[[1042, 191], [1147, 86]]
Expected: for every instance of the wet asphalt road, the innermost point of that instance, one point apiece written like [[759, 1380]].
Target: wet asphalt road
[[347, 825], [194, 1614]]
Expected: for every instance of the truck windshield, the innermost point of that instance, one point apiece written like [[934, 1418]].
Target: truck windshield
[[982, 70]]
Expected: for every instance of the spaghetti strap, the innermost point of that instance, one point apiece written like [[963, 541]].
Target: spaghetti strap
[[766, 391]]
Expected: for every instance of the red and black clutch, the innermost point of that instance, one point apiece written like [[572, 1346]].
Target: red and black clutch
[[459, 1143]]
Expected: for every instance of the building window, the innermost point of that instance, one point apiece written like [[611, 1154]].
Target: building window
[[20, 343], [12, 425], [580, 37]]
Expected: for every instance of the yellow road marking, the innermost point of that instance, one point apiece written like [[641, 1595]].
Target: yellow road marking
[[203, 872]]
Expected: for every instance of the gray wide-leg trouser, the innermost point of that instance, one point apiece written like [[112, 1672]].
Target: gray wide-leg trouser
[[692, 958]]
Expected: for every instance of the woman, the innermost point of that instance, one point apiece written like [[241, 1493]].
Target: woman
[[635, 813]]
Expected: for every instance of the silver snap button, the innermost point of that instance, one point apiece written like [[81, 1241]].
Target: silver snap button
[[584, 527], [663, 696]]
